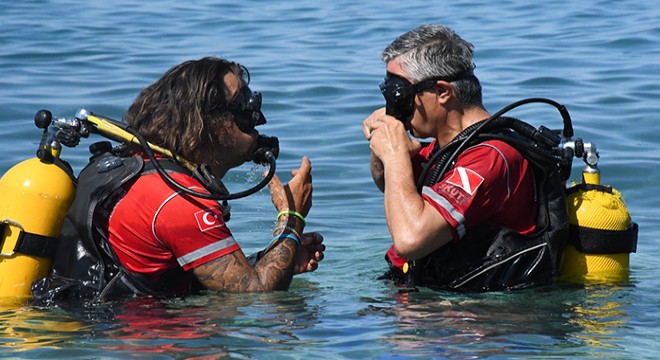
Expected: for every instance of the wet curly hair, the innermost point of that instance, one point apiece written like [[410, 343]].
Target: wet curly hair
[[186, 109]]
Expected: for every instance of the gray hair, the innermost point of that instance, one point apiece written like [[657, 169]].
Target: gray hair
[[435, 51]]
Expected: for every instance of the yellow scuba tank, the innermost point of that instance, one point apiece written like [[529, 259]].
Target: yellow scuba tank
[[602, 234], [35, 197]]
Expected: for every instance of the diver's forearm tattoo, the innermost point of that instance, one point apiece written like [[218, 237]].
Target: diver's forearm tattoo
[[233, 273]]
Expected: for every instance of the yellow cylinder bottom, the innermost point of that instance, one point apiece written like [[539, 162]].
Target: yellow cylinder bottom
[[577, 267], [35, 196]]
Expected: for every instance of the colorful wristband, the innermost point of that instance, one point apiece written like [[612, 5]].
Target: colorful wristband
[[285, 236], [294, 213]]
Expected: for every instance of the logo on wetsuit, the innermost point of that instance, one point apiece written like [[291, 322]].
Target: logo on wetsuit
[[208, 219], [466, 179], [461, 184]]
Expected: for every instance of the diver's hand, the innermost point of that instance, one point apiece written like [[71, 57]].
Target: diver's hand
[[310, 253], [388, 136], [296, 195]]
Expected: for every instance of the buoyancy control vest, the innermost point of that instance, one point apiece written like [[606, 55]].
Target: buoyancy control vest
[[498, 258], [85, 267]]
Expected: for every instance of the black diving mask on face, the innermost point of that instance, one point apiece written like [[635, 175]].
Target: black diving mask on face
[[246, 109], [399, 93]]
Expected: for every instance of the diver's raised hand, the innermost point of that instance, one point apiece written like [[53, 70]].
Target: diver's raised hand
[[388, 136], [296, 195]]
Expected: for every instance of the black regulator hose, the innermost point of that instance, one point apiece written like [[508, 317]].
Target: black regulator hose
[[267, 155], [495, 121]]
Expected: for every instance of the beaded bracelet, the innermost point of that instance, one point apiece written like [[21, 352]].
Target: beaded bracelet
[[289, 229], [294, 213], [285, 236]]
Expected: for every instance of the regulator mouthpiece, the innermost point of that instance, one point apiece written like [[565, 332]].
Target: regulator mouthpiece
[[267, 146]]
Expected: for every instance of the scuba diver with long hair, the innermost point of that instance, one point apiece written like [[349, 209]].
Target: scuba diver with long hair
[[149, 223], [465, 212]]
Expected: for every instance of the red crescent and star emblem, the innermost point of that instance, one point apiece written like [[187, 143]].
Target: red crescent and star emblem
[[208, 219]]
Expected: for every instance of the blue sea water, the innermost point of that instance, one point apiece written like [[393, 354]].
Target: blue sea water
[[316, 63]]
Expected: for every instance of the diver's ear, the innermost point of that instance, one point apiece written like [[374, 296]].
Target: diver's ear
[[443, 91], [443, 88]]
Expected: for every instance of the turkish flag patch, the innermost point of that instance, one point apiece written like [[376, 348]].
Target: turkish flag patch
[[466, 179], [208, 219]]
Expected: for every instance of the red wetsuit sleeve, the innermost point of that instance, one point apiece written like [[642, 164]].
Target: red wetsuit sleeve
[[194, 231], [490, 184]]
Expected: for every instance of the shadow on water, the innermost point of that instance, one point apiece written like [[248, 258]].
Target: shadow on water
[[565, 319]]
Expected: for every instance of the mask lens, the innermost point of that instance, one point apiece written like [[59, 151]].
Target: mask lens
[[253, 102], [399, 97], [247, 110]]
